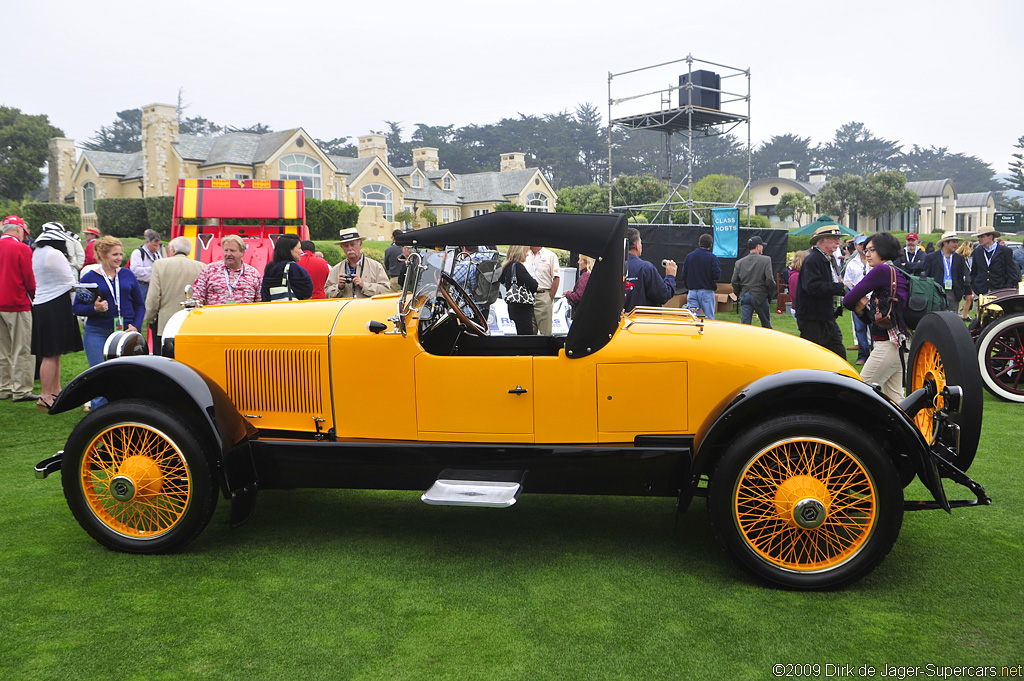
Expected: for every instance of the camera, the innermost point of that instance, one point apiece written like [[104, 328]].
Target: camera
[[664, 263], [347, 278]]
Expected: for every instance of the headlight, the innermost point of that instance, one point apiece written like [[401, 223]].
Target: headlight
[[171, 329]]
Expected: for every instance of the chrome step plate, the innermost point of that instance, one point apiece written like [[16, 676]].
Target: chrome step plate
[[493, 489]]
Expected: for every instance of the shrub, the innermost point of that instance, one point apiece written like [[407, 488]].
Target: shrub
[[799, 242], [431, 217], [159, 213], [326, 218], [122, 217], [502, 206], [37, 213]]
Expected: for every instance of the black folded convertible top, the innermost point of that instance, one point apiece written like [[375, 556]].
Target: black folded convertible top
[[601, 236]]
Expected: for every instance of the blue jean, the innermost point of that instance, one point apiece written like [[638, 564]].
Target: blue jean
[[864, 344], [93, 340], [748, 306], [701, 299]]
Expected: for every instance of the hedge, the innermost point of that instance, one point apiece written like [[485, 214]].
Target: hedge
[[325, 218], [122, 217], [38, 213], [159, 213]]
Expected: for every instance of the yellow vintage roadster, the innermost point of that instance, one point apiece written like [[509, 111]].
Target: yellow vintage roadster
[[803, 465]]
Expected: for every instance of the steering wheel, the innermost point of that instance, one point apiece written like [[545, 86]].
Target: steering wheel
[[474, 320]]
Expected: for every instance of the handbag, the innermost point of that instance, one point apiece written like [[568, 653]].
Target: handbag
[[519, 294], [887, 321]]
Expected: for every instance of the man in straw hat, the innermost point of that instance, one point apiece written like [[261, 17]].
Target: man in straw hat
[[992, 265], [356, 276], [949, 269], [819, 287], [17, 289]]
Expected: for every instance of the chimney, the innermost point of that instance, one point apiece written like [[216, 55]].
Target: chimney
[[816, 175], [159, 131], [513, 161], [61, 166], [373, 145], [787, 170], [425, 158]]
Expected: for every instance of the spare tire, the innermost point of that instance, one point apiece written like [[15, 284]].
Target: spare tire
[[1001, 357], [942, 351]]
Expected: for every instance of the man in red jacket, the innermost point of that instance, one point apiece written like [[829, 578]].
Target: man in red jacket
[[316, 266], [17, 287]]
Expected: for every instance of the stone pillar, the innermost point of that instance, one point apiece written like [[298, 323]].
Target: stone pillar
[[61, 166], [513, 161], [159, 131], [373, 145], [426, 158]]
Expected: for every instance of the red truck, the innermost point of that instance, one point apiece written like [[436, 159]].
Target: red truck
[[258, 210]]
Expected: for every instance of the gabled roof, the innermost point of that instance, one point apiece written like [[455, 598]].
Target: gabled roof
[[112, 163], [930, 187], [347, 165], [480, 187], [809, 188], [973, 200]]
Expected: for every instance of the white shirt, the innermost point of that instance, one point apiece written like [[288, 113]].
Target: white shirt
[[142, 263], [53, 274], [542, 266], [855, 271]]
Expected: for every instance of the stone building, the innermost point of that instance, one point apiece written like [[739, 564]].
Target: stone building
[[939, 208], [368, 179]]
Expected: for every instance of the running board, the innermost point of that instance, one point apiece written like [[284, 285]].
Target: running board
[[493, 489]]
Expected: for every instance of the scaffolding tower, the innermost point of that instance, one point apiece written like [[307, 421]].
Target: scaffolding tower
[[654, 110]]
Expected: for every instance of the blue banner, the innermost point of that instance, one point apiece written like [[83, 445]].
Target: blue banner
[[726, 222]]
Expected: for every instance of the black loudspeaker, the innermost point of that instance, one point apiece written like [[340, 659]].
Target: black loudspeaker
[[708, 99]]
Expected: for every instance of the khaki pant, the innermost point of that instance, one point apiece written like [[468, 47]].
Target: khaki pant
[[395, 286], [884, 368], [17, 364], [542, 313]]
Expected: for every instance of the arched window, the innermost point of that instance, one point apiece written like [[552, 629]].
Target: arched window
[[305, 168], [89, 197], [378, 195], [537, 202]]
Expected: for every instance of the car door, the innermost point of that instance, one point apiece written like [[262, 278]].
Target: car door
[[474, 399]]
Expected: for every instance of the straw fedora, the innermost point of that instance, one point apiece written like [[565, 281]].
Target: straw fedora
[[349, 235], [991, 231], [949, 236], [824, 231]]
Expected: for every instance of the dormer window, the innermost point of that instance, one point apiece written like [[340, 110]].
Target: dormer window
[[447, 181], [417, 181]]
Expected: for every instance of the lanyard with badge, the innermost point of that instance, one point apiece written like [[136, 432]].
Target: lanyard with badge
[[115, 290], [948, 266], [231, 289]]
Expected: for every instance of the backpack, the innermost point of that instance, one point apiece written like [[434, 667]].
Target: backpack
[[925, 295]]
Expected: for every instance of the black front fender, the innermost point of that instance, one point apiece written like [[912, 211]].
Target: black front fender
[[810, 390], [183, 389]]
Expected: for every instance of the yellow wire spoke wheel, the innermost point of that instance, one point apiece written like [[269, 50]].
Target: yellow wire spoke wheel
[[138, 478], [135, 480], [942, 351], [805, 504], [806, 500], [927, 366]]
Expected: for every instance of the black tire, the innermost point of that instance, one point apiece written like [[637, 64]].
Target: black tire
[[942, 350], [1001, 357], [136, 478], [824, 469]]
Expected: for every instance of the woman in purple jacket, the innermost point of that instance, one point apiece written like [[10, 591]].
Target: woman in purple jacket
[[883, 365]]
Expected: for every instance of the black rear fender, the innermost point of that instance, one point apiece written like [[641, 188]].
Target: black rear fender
[[808, 391]]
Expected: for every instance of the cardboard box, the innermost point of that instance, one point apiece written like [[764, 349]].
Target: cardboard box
[[724, 302]]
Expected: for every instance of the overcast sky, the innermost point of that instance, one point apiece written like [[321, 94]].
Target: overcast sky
[[936, 72]]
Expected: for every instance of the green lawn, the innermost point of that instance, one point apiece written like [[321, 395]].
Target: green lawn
[[333, 584]]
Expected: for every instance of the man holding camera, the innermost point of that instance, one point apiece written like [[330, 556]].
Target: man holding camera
[[820, 287], [356, 276]]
